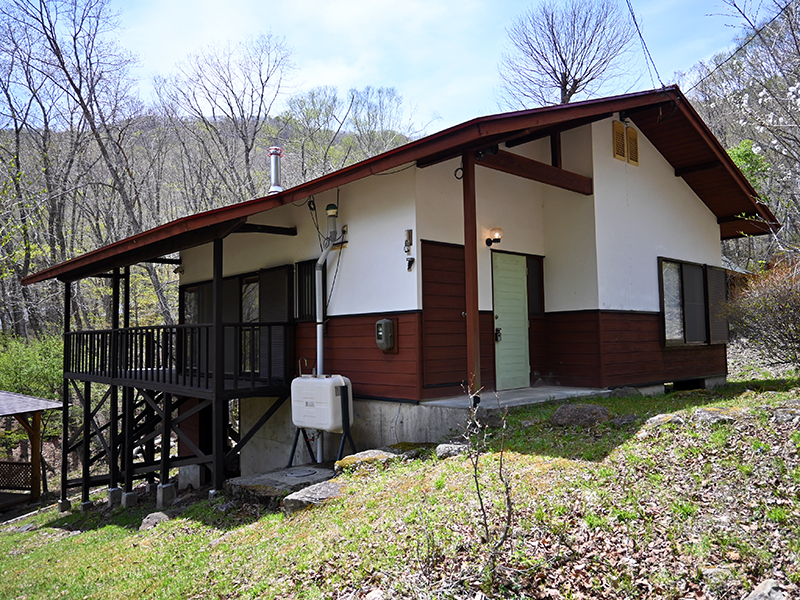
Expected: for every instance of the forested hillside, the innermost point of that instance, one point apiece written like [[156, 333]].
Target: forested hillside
[[86, 161]]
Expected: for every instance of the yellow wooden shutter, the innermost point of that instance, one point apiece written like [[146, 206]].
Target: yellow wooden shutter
[[619, 140], [633, 145]]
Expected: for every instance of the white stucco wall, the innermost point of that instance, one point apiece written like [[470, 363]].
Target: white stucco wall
[[642, 213], [372, 275]]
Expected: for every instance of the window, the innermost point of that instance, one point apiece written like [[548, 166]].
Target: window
[[306, 290], [692, 299]]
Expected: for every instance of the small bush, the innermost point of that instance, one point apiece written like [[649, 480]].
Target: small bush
[[766, 311]]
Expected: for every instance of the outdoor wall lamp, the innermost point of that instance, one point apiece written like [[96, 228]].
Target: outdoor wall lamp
[[495, 236]]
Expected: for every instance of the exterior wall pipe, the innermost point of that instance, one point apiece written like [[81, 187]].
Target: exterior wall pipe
[[327, 245]]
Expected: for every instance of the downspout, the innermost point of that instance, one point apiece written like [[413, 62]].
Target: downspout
[[327, 244]]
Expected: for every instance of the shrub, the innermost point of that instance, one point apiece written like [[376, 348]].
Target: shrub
[[766, 311]]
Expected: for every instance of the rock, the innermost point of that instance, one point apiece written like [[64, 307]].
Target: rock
[[26, 528], [716, 574], [526, 424], [152, 520], [311, 496], [375, 594], [583, 415], [623, 420], [769, 589], [664, 419], [625, 392], [367, 457], [714, 415], [450, 450], [786, 415]]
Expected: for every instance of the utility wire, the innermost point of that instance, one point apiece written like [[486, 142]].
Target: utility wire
[[756, 34], [648, 58]]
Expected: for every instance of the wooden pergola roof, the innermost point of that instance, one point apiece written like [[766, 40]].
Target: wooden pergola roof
[[664, 116]]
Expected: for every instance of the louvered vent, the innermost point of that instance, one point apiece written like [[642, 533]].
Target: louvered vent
[[633, 145], [619, 140]]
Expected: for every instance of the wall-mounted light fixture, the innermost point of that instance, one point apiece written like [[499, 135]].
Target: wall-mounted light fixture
[[495, 236], [408, 241]]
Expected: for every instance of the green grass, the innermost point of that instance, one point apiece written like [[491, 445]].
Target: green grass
[[582, 498]]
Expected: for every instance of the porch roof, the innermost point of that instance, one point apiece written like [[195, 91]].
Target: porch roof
[[664, 116], [19, 404]]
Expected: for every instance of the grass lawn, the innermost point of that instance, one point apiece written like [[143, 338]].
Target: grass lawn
[[683, 510]]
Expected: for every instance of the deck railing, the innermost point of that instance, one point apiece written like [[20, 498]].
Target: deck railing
[[255, 354], [16, 476]]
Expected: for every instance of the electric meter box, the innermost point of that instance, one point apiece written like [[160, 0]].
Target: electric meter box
[[317, 402]]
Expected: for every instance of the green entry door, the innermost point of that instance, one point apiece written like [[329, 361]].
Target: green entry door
[[512, 362]]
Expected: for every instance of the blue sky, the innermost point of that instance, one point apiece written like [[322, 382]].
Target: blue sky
[[441, 55]]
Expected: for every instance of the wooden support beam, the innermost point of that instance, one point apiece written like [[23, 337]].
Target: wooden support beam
[[471, 273], [87, 439], [35, 437], [555, 149], [113, 441], [166, 436], [272, 229], [520, 166], [65, 396], [218, 402], [714, 164]]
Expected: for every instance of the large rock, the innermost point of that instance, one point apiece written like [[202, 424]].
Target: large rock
[[152, 520], [770, 589], [311, 496], [581, 415], [625, 392], [450, 450], [367, 457], [714, 415]]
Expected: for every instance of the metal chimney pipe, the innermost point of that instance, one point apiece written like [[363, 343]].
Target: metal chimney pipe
[[275, 154]]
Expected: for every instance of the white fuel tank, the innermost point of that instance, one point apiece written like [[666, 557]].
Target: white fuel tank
[[317, 402]]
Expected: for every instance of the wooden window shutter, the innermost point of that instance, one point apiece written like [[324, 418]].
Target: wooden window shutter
[[619, 140], [633, 145], [694, 303], [717, 288]]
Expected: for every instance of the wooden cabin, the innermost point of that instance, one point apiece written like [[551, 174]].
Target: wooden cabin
[[607, 272]]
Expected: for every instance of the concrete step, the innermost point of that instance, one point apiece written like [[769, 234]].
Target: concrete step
[[270, 488]]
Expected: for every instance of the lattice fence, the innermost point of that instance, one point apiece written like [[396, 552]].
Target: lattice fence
[[15, 475]]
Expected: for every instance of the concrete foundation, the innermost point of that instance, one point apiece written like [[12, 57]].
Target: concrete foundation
[[114, 496], [87, 506], [379, 423], [193, 476], [129, 499], [151, 489], [64, 506], [652, 390], [165, 495], [712, 382]]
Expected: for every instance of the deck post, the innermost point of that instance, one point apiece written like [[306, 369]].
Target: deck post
[[471, 274], [63, 504], [166, 434], [219, 420], [87, 446], [36, 455], [113, 459]]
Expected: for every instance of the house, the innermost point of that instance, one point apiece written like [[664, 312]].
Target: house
[[607, 272]]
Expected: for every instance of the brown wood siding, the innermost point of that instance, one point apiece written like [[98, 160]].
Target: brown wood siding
[[611, 349], [350, 350], [444, 328]]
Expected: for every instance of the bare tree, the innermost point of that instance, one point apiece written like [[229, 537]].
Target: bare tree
[[562, 50], [220, 100]]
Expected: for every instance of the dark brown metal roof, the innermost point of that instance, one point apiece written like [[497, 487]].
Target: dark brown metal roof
[[19, 404], [664, 116]]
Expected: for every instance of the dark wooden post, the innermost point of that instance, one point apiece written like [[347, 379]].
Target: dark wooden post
[[87, 437], [555, 149], [166, 433], [64, 503], [219, 420], [36, 455], [127, 392], [471, 274], [113, 459]]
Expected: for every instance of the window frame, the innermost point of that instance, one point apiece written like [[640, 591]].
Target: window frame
[[714, 289]]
